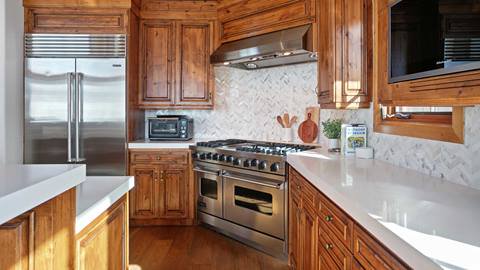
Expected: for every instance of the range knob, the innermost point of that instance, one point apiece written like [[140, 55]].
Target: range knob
[[222, 157], [215, 156], [254, 163], [230, 159], [237, 162], [262, 165], [202, 156], [209, 155], [275, 167], [247, 163]]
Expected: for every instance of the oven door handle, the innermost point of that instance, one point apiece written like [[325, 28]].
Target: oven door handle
[[270, 185], [196, 169]]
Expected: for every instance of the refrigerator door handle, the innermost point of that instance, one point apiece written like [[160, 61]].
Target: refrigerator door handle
[[78, 106], [70, 78]]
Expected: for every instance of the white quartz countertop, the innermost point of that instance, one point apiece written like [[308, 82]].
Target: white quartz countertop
[[24, 187], [147, 144], [428, 222], [97, 194]]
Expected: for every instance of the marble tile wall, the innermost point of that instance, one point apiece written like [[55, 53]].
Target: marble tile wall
[[248, 101]]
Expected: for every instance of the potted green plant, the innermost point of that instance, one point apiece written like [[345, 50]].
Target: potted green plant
[[332, 129]]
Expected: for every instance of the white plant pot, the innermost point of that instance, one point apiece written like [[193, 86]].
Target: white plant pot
[[333, 143], [288, 134]]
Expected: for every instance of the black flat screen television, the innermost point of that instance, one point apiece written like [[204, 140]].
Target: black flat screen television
[[433, 37]]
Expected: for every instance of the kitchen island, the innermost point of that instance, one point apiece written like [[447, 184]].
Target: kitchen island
[[382, 216], [49, 212]]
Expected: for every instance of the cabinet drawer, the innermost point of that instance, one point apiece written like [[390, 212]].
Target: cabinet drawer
[[336, 221], [301, 187], [166, 157], [371, 255], [332, 254]]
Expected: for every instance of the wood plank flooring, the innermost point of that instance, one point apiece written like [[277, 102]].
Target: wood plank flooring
[[193, 248]]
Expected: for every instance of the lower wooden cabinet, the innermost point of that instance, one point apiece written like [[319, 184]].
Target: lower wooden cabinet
[[41, 238], [103, 244], [322, 236], [163, 192]]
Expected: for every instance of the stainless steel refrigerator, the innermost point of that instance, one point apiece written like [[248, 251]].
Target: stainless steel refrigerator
[[75, 101]]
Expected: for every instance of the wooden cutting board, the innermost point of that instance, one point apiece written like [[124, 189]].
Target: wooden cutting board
[[308, 130]]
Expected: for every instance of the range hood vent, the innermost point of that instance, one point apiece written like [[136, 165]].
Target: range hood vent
[[286, 47]]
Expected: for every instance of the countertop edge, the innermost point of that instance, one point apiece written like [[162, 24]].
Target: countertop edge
[[411, 256], [86, 217], [41, 192]]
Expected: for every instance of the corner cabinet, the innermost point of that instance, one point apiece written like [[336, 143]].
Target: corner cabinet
[[175, 70], [345, 44], [322, 236], [163, 192]]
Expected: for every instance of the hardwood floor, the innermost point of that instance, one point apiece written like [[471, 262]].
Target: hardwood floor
[[193, 248]]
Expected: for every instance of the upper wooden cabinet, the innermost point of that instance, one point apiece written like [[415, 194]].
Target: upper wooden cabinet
[[69, 20], [175, 70], [246, 18], [345, 53], [81, 4]]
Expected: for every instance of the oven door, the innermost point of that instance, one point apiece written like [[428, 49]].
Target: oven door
[[256, 203], [210, 191]]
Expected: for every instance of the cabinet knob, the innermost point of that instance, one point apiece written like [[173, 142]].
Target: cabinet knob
[[328, 218], [328, 246]]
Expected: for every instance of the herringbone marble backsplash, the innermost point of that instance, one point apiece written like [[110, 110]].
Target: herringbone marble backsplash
[[247, 102]]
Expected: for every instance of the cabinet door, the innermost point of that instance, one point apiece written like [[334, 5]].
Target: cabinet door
[[309, 238], [294, 246], [173, 192], [156, 63], [102, 245], [144, 195], [356, 49], [345, 53], [16, 243], [194, 81]]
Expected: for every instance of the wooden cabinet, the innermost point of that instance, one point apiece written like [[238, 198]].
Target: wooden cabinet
[[42, 238], [246, 18], [69, 20], [144, 198], [345, 56], [322, 236], [175, 70], [103, 243], [302, 228], [16, 243], [371, 255], [163, 192]]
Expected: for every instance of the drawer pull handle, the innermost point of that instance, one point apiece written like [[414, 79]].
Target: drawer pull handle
[[328, 246], [328, 218], [299, 187]]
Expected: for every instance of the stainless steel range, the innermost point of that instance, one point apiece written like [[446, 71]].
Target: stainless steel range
[[242, 190]]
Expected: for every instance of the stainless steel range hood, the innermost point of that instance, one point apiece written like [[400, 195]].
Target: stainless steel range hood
[[286, 47]]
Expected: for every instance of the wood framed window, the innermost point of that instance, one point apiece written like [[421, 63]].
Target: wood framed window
[[434, 123]]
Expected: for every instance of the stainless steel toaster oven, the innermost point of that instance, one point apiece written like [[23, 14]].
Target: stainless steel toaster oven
[[170, 128]]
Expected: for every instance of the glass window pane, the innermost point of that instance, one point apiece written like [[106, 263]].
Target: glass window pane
[[209, 188], [257, 201]]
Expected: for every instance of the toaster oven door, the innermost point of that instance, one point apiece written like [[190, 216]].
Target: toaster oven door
[[168, 128]]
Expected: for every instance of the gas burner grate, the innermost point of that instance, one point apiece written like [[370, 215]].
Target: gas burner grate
[[220, 143]]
